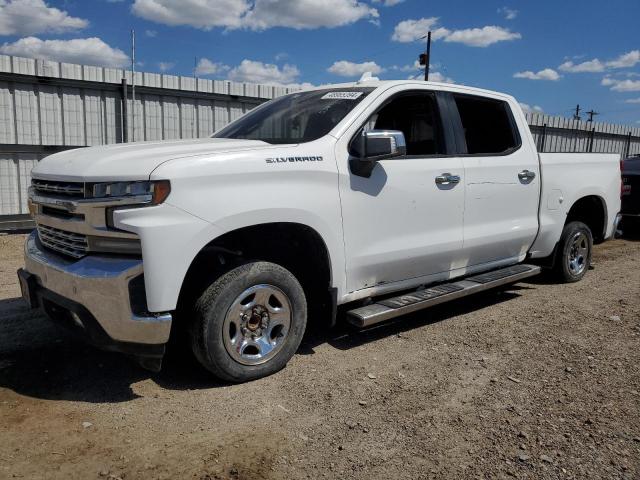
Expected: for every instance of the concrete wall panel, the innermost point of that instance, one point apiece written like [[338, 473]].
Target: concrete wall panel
[[7, 120]]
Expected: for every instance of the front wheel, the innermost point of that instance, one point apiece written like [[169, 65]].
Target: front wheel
[[249, 322], [573, 256]]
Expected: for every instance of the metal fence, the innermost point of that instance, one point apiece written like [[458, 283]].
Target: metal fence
[[560, 134], [49, 106]]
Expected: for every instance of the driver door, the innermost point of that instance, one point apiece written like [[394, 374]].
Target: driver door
[[402, 227]]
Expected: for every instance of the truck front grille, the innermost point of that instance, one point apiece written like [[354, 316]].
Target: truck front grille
[[68, 189], [68, 243]]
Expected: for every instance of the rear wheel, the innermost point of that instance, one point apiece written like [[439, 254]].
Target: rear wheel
[[249, 322], [573, 255]]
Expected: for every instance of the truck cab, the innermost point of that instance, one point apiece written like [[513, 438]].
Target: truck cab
[[371, 199]]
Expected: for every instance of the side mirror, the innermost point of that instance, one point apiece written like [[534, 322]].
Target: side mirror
[[376, 145]]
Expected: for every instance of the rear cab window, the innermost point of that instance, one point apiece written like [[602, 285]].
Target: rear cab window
[[488, 125]]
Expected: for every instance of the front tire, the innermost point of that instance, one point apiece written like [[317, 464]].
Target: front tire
[[573, 256], [249, 322]]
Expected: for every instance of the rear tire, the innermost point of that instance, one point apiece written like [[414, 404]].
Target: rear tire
[[573, 255], [249, 322]]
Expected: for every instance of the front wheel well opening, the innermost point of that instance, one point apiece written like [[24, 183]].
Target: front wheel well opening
[[590, 211], [296, 247]]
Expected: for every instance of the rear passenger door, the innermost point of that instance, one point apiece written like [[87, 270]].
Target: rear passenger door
[[502, 180]]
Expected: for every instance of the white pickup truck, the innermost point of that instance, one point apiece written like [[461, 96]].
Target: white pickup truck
[[361, 201]]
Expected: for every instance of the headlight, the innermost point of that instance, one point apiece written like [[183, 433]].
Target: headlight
[[157, 191], [142, 194]]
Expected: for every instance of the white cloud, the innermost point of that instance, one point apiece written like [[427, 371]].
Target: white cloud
[[633, 100], [253, 72], [307, 14], [300, 86], [509, 13], [439, 77], [166, 66], [254, 14], [408, 68], [202, 14], [206, 67], [526, 108], [594, 65], [388, 3], [621, 85], [626, 60], [482, 37], [258, 72], [151, 33], [434, 75], [89, 51], [345, 68], [546, 74], [412, 30], [28, 17]]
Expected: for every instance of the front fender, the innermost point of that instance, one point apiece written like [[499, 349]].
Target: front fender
[[330, 234], [170, 239]]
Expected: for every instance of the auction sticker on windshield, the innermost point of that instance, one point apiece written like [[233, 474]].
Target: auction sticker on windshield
[[342, 96]]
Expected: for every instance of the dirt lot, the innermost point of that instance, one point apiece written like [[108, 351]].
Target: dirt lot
[[539, 381]]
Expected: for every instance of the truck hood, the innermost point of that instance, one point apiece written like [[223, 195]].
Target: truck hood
[[131, 161]]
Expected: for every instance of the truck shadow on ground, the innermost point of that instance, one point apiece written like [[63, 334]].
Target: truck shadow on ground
[[632, 234], [346, 337], [40, 361]]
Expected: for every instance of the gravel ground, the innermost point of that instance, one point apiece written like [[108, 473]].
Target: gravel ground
[[537, 381]]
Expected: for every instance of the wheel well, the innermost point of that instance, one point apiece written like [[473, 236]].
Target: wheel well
[[590, 211], [296, 247]]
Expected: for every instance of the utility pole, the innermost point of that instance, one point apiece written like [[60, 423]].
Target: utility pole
[[425, 58], [133, 85], [576, 116], [591, 114], [194, 120]]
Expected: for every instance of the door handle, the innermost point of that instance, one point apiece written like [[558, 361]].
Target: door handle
[[447, 179], [526, 175]]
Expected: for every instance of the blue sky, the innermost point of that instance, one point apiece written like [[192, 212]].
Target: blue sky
[[550, 54]]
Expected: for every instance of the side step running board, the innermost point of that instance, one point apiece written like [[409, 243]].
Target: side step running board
[[420, 299]]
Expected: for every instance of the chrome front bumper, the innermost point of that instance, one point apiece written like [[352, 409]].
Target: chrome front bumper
[[100, 284]]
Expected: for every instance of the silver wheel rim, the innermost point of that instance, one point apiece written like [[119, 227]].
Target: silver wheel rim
[[257, 324], [578, 253]]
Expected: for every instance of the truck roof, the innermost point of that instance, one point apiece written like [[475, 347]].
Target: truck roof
[[392, 83]]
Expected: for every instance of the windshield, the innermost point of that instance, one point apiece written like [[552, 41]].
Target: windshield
[[296, 118]]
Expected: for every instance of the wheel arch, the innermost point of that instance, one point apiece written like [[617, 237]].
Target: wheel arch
[[297, 247], [592, 211]]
